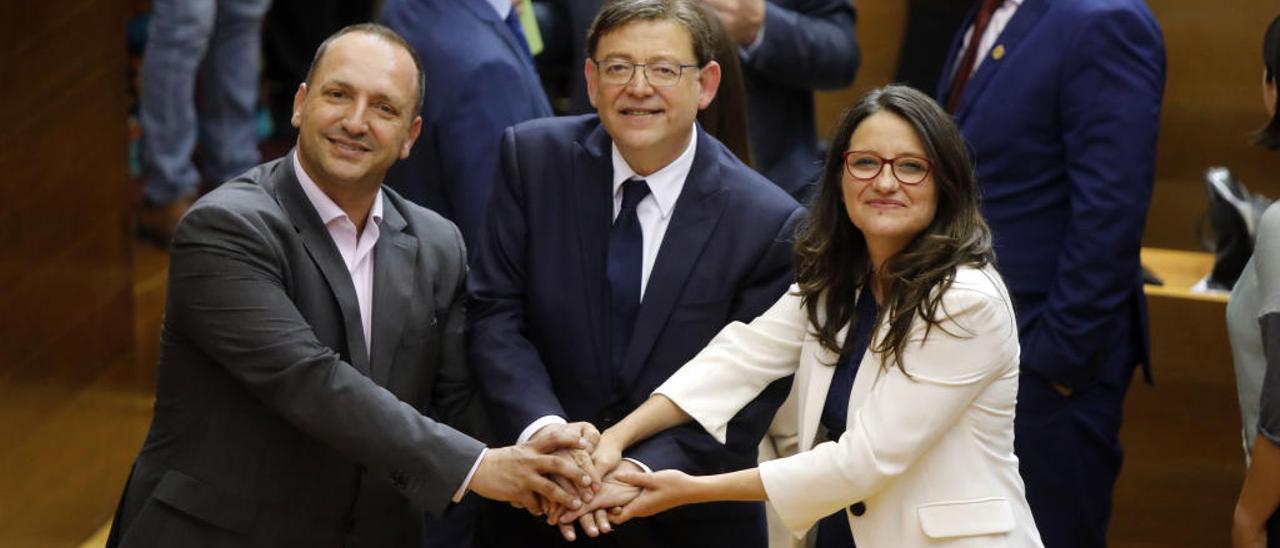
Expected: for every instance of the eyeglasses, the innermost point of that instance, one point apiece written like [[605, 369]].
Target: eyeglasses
[[659, 74], [865, 165]]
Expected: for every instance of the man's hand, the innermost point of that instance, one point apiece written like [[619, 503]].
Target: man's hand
[[593, 518], [741, 18], [575, 442], [661, 491], [516, 474]]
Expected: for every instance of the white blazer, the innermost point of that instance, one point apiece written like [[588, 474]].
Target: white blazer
[[929, 457]]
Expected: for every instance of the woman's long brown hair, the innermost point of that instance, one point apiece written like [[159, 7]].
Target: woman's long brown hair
[[832, 262]]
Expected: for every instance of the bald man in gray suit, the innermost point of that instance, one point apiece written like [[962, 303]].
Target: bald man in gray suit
[[314, 323]]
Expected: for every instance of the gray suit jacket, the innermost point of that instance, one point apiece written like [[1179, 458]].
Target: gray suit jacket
[[273, 425]]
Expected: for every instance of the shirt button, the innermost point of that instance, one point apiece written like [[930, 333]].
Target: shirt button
[[858, 508]]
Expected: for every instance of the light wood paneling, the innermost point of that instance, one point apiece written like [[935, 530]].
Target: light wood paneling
[[71, 416], [1212, 102]]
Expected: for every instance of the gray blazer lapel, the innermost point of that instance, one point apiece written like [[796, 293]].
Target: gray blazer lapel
[[315, 237], [394, 259]]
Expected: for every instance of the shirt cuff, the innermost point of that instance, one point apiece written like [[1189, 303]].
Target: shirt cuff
[[466, 482], [642, 465], [533, 427]]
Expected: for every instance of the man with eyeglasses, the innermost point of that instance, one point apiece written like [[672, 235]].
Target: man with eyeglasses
[[617, 245]]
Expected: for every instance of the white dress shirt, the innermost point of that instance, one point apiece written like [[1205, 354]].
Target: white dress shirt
[[503, 7], [999, 20], [654, 213]]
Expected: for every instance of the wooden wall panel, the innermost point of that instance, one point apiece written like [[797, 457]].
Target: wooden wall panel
[[66, 274], [66, 283], [1212, 101]]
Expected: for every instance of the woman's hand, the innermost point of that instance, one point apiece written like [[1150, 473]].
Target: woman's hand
[[593, 518], [660, 491], [607, 453]]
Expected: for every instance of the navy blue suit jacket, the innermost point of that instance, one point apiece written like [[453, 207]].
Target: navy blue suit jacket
[[1062, 116], [539, 336], [807, 45], [479, 82]]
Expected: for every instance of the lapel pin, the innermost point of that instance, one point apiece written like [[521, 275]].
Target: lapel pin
[[997, 52]]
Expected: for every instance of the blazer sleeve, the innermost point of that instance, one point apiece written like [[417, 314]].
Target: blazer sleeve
[[1110, 111], [738, 364], [892, 428], [512, 376], [808, 44], [1266, 260], [228, 294], [688, 448]]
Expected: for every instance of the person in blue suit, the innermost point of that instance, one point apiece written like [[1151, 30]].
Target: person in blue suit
[[788, 49], [480, 79], [1060, 100], [616, 246]]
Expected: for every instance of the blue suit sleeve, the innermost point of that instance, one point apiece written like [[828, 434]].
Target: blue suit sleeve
[[510, 372], [691, 449], [808, 44], [1110, 109]]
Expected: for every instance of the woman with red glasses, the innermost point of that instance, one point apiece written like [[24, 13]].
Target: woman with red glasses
[[904, 348]]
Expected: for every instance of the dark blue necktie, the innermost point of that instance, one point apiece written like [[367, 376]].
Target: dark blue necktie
[[626, 255], [513, 23]]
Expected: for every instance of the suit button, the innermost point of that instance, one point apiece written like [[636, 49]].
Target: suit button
[[398, 480], [858, 508]]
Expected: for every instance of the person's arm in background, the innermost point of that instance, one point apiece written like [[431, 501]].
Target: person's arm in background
[[1260, 494], [805, 44]]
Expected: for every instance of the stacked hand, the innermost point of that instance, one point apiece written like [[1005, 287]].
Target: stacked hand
[[625, 490], [570, 473], [552, 469]]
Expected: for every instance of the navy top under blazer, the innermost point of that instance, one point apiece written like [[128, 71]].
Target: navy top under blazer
[[539, 318], [479, 82]]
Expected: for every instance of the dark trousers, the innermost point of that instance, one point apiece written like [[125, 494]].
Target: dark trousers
[[716, 525], [1069, 454]]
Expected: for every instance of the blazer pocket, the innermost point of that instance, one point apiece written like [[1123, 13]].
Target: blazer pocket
[[701, 311], [204, 502], [989, 516]]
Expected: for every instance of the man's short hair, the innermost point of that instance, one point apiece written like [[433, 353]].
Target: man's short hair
[[380, 31], [615, 14]]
